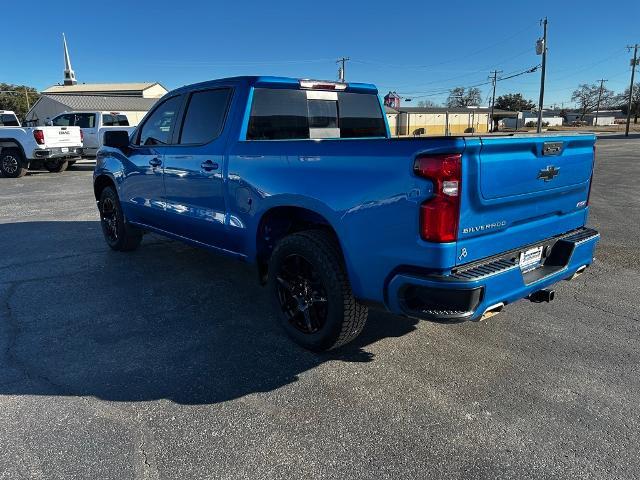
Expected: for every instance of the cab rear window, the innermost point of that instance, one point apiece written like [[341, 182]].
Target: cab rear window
[[7, 120], [287, 114]]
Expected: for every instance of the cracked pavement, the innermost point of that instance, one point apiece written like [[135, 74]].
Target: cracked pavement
[[165, 363]]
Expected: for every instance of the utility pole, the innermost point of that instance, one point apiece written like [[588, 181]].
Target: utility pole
[[544, 68], [342, 60], [602, 80], [634, 62], [26, 95], [494, 80]]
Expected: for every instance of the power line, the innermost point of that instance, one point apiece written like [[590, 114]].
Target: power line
[[433, 93]]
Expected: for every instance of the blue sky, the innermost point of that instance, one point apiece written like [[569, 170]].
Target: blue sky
[[420, 49]]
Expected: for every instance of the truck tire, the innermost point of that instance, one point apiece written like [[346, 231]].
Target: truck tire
[[118, 234], [12, 164], [56, 166], [312, 293]]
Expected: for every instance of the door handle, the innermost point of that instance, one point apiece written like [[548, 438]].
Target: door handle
[[208, 165], [155, 162]]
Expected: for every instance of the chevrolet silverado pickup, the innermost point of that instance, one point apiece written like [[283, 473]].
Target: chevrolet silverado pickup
[[301, 178], [22, 148]]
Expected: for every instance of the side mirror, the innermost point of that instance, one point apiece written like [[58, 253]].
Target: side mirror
[[116, 139]]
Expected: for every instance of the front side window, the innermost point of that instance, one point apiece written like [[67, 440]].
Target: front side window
[[278, 114], [158, 127], [205, 116]]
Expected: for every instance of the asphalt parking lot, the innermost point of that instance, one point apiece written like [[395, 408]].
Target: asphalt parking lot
[[166, 362]]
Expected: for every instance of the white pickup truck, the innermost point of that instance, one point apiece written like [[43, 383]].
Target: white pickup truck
[[21, 148], [93, 125]]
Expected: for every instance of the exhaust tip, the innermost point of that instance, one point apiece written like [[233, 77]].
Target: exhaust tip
[[578, 272], [545, 295], [492, 311]]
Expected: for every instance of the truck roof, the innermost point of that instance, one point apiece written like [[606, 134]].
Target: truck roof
[[279, 82]]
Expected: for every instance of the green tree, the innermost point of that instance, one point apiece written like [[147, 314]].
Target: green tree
[[14, 97], [463, 97], [514, 102]]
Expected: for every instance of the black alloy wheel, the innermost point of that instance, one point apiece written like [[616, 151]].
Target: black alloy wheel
[[118, 234], [302, 297], [109, 218], [311, 291]]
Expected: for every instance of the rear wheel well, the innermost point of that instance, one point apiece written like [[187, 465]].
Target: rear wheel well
[[279, 222], [100, 184], [12, 143]]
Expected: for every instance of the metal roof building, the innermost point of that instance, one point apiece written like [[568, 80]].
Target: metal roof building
[[132, 89], [48, 106]]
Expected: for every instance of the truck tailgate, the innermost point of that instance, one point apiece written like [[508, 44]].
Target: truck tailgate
[[522, 189], [61, 137]]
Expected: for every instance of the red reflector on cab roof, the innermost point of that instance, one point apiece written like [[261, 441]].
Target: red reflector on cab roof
[[322, 85]]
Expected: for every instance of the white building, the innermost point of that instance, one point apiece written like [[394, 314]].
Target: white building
[[530, 118]]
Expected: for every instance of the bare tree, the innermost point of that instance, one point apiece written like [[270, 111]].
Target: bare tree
[[462, 97], [426, 104], [635, 102], [587, 95]]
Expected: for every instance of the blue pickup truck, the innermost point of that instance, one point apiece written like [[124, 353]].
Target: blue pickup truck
[[301, 178]]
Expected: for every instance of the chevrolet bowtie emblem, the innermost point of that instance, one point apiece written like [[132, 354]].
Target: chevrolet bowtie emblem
[[549, 173]]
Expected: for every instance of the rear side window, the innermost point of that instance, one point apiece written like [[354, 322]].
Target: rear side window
[[360, 116], [7, 120], [158, 127], [278, 114], [205, 116]]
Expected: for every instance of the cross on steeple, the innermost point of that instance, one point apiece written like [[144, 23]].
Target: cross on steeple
[[69, 74]]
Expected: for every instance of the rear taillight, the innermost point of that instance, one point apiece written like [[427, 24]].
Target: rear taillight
[[38, 135], [593, 167], [440, 215], [81, 136]]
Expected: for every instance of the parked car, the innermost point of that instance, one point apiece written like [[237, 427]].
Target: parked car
[[93, 125], [302, 178], [22, 148]]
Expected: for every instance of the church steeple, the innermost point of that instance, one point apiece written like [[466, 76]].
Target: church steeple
[[69, 74]]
